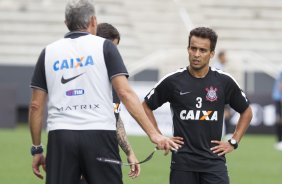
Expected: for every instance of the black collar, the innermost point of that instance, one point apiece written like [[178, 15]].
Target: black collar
[[75, 34]]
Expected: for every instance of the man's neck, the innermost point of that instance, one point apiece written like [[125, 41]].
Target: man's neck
[[198, 73]]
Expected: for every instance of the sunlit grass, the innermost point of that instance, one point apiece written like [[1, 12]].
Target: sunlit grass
[[255, 161]]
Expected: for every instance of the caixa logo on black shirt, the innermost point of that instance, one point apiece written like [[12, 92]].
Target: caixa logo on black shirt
[[79, 107], [198, 115]]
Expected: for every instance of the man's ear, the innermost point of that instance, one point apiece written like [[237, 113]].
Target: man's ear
[[94, 21], [212, 54], [93, 24]]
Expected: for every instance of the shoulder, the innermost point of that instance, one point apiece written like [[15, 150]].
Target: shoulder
[[55, 43], [108, 45], [82, 39], [221, 74], [225, 77], [94, 38]]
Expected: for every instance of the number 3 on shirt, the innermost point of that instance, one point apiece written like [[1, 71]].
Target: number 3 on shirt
[[199, 102]]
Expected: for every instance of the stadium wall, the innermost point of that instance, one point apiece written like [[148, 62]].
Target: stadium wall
[[18, 78]]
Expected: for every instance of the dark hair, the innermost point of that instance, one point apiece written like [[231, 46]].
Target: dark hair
[[204, 32], [78, 14], [107, 31]]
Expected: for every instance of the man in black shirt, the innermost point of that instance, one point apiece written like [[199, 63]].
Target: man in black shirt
[[197, 95], [108, 31]]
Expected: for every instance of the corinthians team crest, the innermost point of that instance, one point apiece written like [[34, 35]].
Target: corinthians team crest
[[211, 94]]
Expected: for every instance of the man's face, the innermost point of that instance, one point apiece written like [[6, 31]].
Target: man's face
[[199, 53]]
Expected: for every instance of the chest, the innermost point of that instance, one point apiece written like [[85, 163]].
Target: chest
[[198, 94]]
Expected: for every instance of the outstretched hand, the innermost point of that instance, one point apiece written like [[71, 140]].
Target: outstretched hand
[[221, 148], [165, 143], [38, 159], [177, 140]]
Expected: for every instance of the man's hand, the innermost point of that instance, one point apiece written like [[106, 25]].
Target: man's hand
[[38, 159], [134, 169], [165, 143], [178, 140], [221, 148]]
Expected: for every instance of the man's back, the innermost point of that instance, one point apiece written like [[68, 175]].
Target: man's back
[[78, 69]]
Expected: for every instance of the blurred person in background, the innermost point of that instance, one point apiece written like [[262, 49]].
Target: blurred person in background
[[221, 61], [277, 97], [220, 64], [197, 95], [74, 76], [109, 32]]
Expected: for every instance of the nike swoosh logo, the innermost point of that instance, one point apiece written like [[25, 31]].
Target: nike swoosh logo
[[184, 93], [64, 81]]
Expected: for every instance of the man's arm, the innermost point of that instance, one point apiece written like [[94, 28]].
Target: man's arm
[[126, 147], [122, 138], [242, 125], [151, 116], [134, 107], [36, 111]]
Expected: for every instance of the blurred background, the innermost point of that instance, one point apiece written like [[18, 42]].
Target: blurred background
[[154, 38]]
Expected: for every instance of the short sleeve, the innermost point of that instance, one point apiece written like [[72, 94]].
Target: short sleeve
[[159, 95], [235, 97], [113, 60], [39, 78]]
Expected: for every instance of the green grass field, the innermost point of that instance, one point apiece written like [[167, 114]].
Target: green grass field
[[255, 162]]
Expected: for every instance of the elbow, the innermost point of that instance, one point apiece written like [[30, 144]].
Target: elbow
[[34, 106], [144, 104], [123, 94], [145, 107], [251, 114], [248, 113]]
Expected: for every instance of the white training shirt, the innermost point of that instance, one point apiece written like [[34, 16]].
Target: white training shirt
[[75, 72]]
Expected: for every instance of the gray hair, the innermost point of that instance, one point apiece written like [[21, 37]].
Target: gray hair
[[78, 14]]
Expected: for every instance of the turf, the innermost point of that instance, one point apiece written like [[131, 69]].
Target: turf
[[255, 161]]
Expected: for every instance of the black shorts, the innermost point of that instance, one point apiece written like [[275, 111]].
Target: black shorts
[[72, 153], [189, 177]]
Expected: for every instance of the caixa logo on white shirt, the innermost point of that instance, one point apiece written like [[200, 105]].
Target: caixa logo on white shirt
[[199, 115], [73, 63]]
